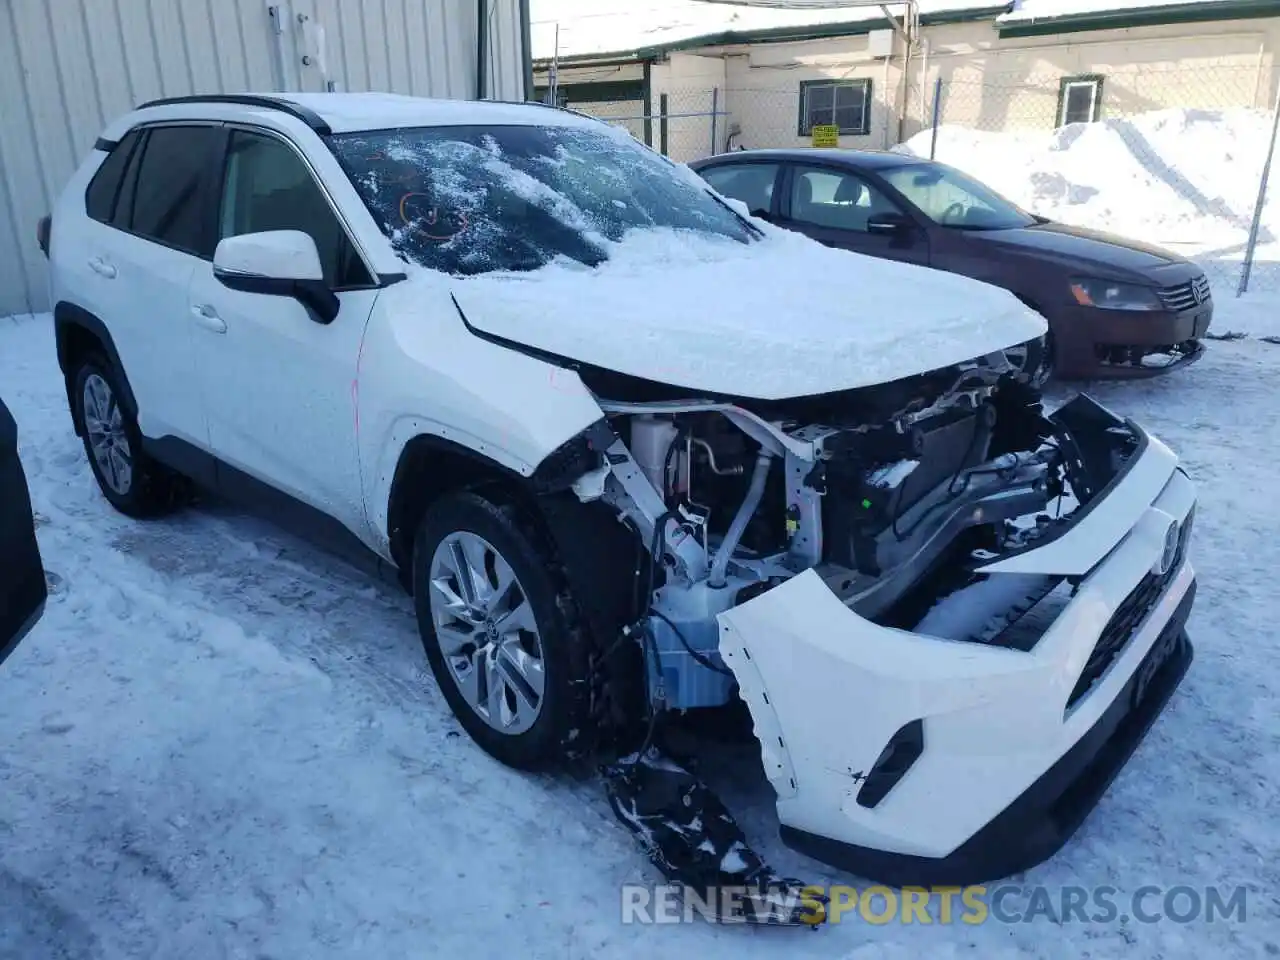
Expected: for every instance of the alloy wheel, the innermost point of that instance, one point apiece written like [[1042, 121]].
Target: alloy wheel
[[487, 633]]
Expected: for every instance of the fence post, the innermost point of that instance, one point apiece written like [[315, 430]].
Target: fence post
[[1247, 267], [937, 106], [715, 110], [662, 124]]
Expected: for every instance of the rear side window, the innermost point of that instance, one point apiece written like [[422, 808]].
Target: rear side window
[[104, 188], [172, 204]]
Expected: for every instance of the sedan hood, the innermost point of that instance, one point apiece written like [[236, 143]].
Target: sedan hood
[[781, 317], [1075, 247]]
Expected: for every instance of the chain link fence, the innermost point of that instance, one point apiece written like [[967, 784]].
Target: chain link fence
[[1171, 154]]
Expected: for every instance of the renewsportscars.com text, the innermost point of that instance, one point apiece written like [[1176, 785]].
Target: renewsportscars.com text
[[973, 905]]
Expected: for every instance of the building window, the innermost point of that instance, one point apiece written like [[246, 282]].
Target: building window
[[845, 103], [1079, 99]]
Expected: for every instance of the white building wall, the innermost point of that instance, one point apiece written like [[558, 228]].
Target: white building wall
[[764, 89], [694, 85], [67, 67]]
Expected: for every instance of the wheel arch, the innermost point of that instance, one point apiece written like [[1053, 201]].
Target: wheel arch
[[595, 550], [429, 467], [78, 333]]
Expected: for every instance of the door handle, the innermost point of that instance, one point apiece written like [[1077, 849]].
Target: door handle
[[100, 266], [208, 318]]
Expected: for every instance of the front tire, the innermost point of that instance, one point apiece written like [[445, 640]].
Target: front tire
[[131, 481], [500, 630]]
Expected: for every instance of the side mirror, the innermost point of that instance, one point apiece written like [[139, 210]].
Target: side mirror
[[277, 263], [888, 223]]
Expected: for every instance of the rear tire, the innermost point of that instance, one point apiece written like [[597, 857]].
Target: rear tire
[[500, 631], [132, 482]]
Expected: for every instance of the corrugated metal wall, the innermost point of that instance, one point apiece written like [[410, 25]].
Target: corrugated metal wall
[[68, 66]]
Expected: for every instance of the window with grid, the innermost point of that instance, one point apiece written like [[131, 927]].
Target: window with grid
[[1079, 100], [844, 103]]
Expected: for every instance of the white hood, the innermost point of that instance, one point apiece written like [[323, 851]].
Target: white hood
[[783, 317]]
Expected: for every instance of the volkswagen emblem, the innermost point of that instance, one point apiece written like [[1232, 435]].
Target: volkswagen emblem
[[1197, 294], [1169, 552]]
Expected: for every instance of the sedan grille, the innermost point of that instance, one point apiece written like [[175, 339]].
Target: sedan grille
[[1185, 296], [1129, 616]]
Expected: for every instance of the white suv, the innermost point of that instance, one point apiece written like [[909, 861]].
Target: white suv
[[634, 452]]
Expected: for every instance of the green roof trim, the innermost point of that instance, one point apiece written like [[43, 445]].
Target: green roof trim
[[1140, 17], [849, 28]]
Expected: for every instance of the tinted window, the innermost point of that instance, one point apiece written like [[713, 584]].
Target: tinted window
[[104, 188], [170, 206], [752, 183], [469, 200], [954, 199], [129, 187], [268, 187], [832, 198]]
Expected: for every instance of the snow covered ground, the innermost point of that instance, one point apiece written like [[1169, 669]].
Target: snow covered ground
[[220, 743], [1184, 179]]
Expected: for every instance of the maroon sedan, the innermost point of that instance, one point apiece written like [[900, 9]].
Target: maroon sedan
[[1115, 307]]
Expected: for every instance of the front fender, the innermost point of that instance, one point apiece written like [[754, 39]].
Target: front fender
[[422, 373]]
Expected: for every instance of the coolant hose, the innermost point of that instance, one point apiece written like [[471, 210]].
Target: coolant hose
[[750, 503]]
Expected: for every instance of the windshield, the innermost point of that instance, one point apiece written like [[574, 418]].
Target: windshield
[[954, 199], [469, 200]]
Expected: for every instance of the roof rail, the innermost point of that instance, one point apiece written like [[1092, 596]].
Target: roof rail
[[309, 117]]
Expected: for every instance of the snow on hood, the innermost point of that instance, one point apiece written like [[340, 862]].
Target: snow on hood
[[781, 317]]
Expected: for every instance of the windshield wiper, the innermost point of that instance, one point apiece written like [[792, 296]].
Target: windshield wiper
[[754, 230]]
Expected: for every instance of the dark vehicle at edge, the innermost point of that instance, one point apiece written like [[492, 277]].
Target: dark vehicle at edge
[[22, 583], [1115, 307]]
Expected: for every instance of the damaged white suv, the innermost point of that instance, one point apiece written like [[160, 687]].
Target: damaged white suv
[[633, 452]]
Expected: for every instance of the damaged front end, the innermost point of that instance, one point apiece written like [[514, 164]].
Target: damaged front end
[[928, 593]]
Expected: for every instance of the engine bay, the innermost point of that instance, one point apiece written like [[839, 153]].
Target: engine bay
[[897, 498]]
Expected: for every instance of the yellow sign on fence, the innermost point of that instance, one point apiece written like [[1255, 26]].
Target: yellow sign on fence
[[826, 135]]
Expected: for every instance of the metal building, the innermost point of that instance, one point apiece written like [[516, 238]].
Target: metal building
[[68, 66]]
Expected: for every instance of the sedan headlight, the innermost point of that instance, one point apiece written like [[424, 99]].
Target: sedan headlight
[[1107, 295]]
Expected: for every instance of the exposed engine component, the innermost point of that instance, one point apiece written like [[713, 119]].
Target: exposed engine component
[[897, 497], [962, 469]]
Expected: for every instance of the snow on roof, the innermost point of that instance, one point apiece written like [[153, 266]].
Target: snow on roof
[[371, 111], [350, 112], [597, 28], [1024, 10], [594, 28]]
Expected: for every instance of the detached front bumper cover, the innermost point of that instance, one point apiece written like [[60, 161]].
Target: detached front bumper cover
[[1012, 755]]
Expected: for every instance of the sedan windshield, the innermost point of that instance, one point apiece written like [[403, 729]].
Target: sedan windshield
[[953, 199], [469, 200]]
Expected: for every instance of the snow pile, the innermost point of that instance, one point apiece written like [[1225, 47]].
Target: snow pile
[[1173, 177]]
